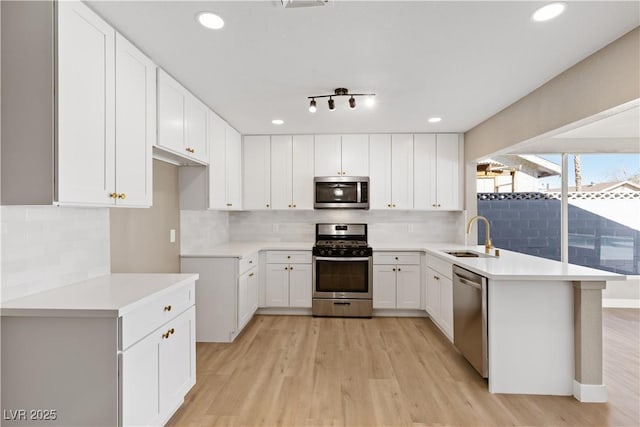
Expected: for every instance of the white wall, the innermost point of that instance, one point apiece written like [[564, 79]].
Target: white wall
[[45, 247]]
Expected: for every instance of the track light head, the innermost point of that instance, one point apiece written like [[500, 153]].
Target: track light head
[[312, 106], [332, 104], [352, 103]]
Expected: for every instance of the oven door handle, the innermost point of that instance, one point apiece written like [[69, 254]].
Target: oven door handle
[[342, 258]]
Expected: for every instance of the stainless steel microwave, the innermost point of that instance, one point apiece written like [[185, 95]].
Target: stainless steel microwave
[[341, 192]]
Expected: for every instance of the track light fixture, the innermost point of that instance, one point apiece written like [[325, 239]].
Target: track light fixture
[[369, 102]]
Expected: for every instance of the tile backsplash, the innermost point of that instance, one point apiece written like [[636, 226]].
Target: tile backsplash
[[45, 247], [384, 226], [202, 230]]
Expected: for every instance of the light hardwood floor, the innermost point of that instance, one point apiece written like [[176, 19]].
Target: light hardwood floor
[[305, 371]]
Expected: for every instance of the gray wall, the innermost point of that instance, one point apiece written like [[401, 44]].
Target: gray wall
[[140, 237]]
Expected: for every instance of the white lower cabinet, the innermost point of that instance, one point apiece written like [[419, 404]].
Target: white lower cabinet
[[128, 364], [288, 279], [157, 372], [227, 295], [396, 280], [439, 295]]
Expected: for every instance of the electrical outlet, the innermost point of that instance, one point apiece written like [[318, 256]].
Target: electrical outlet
[[172, 235]]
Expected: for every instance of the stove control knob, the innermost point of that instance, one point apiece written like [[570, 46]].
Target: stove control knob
[[322, 251], [362, 252], [341, 251]]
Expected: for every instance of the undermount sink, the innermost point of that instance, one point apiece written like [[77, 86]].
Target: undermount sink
[[466, 254]]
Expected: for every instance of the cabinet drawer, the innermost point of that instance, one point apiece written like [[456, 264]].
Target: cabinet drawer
[[441, 266], [248, 262], [396, 258], [288, 257], [148, 317]]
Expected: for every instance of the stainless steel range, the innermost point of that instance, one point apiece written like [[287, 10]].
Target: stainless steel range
[[342, 271]]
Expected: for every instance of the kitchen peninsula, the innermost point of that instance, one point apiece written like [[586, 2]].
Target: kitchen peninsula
[[544, 316]]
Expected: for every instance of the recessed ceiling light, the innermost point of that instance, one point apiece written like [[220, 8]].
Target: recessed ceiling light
[[548, 11], [434, 119], [277, 121], [210, 20]]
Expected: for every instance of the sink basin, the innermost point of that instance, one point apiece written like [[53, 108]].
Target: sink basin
[[466, 254]]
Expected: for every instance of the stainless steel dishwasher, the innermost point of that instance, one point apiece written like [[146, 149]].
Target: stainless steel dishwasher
[[470, 318]]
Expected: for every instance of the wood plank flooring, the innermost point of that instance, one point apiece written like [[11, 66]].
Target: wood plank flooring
[[305, 371]]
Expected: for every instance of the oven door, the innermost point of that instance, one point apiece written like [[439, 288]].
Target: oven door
[[338, 277]]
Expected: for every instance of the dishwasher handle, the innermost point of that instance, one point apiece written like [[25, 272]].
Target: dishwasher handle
[[468, 283]]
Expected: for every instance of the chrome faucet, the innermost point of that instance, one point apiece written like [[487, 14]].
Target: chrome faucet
[[487, 239]]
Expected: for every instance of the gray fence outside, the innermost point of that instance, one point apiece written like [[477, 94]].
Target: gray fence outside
[[530, 223]]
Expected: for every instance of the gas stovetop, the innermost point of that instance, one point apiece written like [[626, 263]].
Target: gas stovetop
[[341, 244]]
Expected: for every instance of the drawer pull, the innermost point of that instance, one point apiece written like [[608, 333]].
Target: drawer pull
[[286, 268], [393, 269], [398, 269], [290, 268], [250, 261], [250, 274], [167, 308], [122, 196], [113, 195], [396, 258], [167, 334]]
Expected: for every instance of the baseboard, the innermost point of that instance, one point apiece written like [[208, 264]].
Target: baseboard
[[620, 303], [285, 311], [594, 393], [394, 312]]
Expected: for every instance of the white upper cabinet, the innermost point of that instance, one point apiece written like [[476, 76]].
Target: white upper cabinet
[[225, 164], [302, 172], [355, 155], [346, 155], [292, 171], [328, 155], [85, 145], [391, 171], [106, 114], [135, 132], [256, 155], [402, 171], [437, 171], [380, 175], [195, 124], [182, 123]]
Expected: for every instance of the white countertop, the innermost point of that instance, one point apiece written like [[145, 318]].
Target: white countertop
[[508, 266], [243, 249], [111, 295]]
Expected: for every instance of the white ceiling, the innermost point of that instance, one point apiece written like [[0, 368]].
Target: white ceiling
[[463, 61]]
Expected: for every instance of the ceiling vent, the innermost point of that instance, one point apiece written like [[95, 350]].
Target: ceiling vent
[[305, 3]]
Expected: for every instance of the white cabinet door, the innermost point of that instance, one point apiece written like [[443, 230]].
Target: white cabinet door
[[253, 285], [355, 155], [281, 170], [380, 171], [302, 172], [171, 113], [217, 135], [139, 376], [433, 294], [195, 123], [384, 286], [448, 172], [446, 306], [402, 171], [408, 286], [85, 146], [243, 300], [300, 287], [327, 155], [424, 151], [277, 285], [256, 179], [234, 169], [176, 361], [135, 131]]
